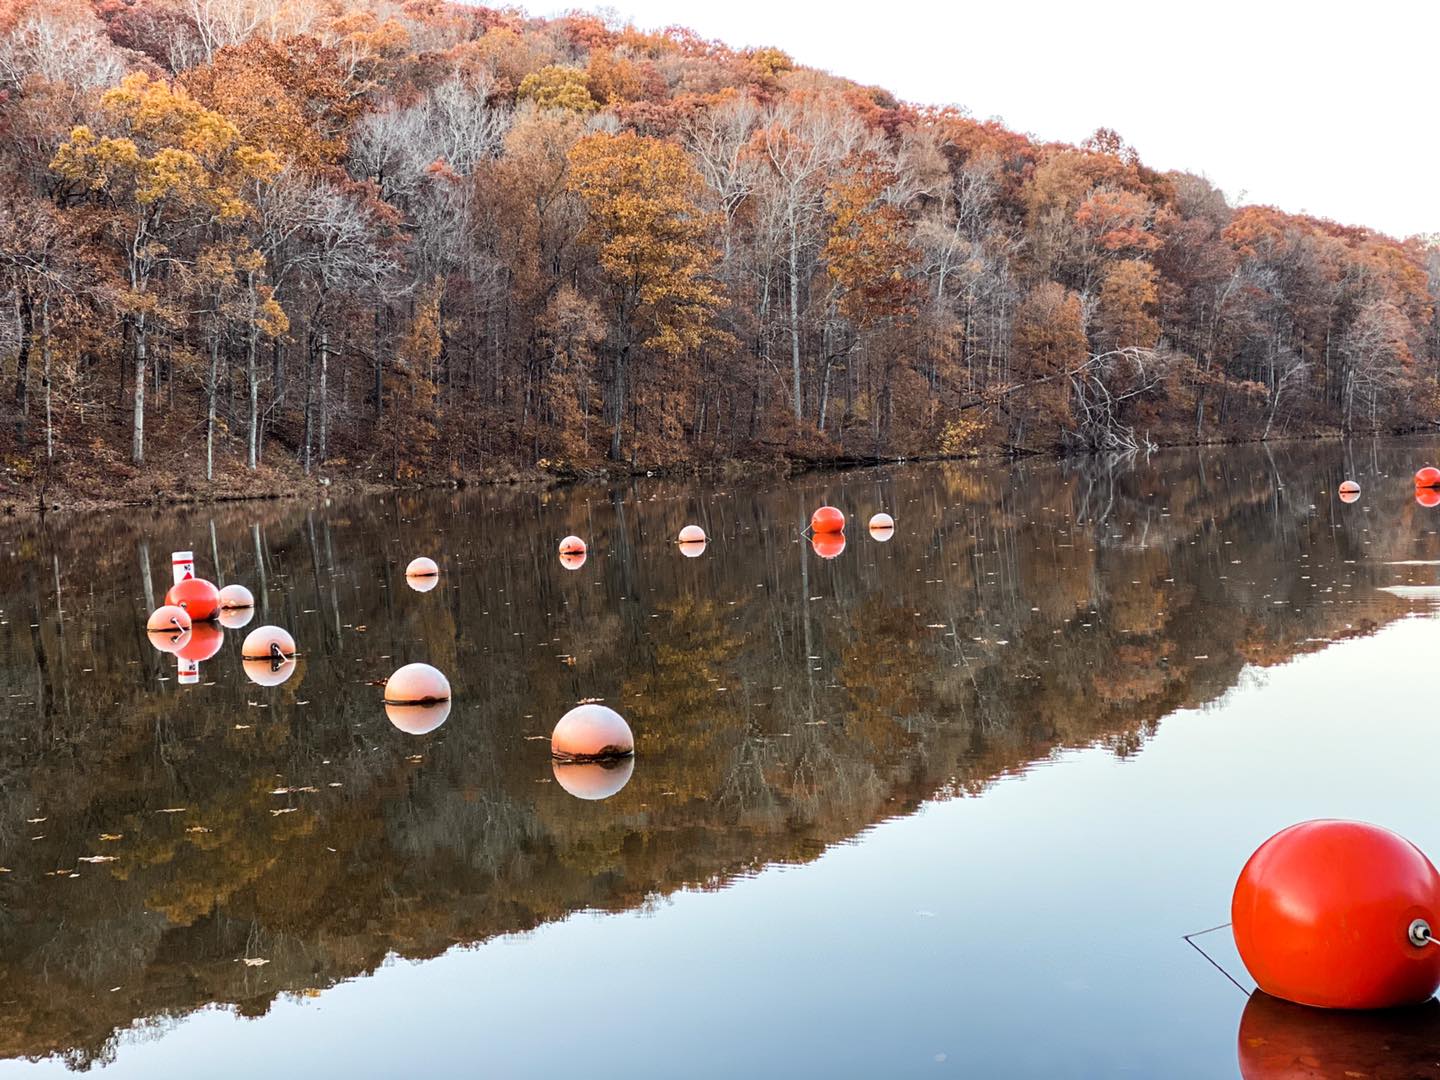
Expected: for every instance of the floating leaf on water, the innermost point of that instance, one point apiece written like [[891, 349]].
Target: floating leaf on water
[[173, 810], [284, 810], [96, 858], [197, 828], [252, 961], [35, 820]]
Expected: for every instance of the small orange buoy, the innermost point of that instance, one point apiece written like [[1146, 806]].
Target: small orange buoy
[[268, 655], [827, 520], [1281, 1041], [421, 568], [204, 642], [168, 628], [591, 732], [236, 598], [168, 619], [417, 699], [199, 598], [1428, 497], [691, 534], [572, 560], [572, 545], [1428, 477], [1338, 914], [417, 684], [593, 780], [828, 545]]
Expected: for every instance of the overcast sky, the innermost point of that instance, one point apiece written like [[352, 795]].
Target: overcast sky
[[1315, 108]]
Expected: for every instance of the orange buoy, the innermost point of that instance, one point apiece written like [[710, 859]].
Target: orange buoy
[[422, 567], [827, 520], [1428, 477], [693, 549], [1281, 1041], [1428, 497], [236, 598], [691, 534], [417, 684], [235, 618], [593, 780], [168, 619], [572, 545], [199, 598], [1338, 914], [168, 627], [204, 642], [572, 560], [828, 545], [268, 655], [591, 732]]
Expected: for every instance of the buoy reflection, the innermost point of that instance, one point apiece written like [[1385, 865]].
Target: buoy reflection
[[1428, 497], [204, 642], [422, 584], [594, 780], [573, 560], [235, 618], [418, 719], [828, 545], [692, 549], [1281, 1041]]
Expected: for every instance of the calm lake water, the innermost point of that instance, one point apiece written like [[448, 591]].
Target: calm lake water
[[941, 806]]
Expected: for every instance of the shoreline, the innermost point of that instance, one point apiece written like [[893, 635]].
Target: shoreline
[[34, 503]]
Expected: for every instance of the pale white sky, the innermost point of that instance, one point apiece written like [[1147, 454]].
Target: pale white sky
[[1314, 107]]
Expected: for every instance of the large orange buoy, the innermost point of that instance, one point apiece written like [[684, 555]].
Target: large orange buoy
[[268, 655], [691, 534], [1428, 477], [572, 560], [591, 732], [1428, 497], [199, 598], [236, 598], [827, 520], [1281, 1041], [235, 618], [572, 545], [828, 545], [422, 567], [1338, 914], [204, 642], [593, 780]]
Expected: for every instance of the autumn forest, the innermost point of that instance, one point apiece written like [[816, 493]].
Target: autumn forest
[[244, 242]]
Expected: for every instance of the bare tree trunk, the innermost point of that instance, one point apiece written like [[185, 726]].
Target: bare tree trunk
[[622, 359], [324, 392], [211, 384], [22, 361], [45, 355], [137, 439], [799, 402], [252, 375]]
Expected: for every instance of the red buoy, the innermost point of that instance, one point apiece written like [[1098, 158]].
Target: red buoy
[[1428, 477], [1281, 1041], [591, 732], [593, 780], [828, 545], [1338, 914], [827, 520], [199, 598], [1428, 497]]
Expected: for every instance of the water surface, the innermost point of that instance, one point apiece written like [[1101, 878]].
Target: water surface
[[940, 806]]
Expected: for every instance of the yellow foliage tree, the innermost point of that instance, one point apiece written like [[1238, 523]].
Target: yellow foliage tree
[[166, 164], [559, 87]]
